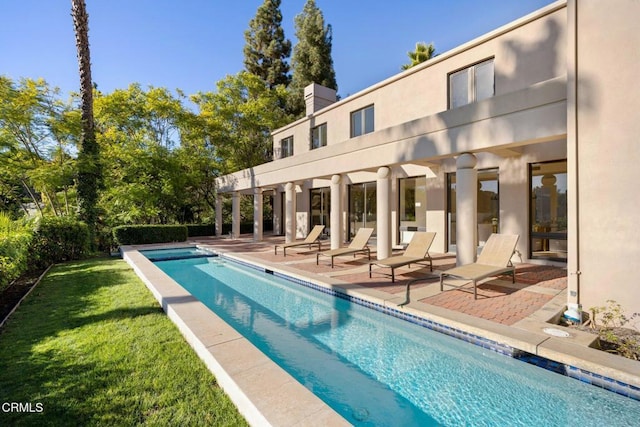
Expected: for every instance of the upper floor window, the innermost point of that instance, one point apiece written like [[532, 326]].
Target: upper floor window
[[471, 84], [319, 136], [286, 147], [362, 121]]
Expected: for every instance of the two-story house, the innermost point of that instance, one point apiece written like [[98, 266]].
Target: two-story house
[[530, 129]]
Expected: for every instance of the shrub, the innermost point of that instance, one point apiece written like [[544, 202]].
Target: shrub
[[15, 238], [59, 239], [245, 228], [194, 230], [145, 234], [14, 250]]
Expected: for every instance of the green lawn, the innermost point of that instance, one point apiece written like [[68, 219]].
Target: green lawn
[[91, 346]]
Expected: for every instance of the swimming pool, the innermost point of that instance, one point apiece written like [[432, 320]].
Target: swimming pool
[[378, 370]]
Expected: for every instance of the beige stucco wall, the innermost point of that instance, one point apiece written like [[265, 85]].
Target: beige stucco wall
[[605, 129], [525, 52]]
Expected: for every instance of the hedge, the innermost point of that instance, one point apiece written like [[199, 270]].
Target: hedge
[[145, 234], [194, 230], [58, 239]]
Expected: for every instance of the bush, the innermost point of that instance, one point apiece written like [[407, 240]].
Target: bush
[[194, 230], [15, 238], [59, 239], [247, 227], [145, 234], [14, 250]]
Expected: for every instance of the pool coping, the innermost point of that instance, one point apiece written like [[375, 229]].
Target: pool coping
[[232, 358]]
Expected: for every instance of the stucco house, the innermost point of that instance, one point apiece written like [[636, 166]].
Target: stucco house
[[532, 129]]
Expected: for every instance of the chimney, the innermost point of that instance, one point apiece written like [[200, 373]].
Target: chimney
[[317, 97]]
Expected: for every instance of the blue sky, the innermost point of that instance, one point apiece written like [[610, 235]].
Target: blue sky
[[191, 44]]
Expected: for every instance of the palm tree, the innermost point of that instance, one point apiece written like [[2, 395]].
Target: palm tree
[[422, 53], [88, 165]]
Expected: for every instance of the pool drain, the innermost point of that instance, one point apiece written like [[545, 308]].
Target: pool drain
[[360, 414], [556, 332]]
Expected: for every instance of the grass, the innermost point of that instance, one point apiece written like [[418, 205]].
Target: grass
[[91, 346]]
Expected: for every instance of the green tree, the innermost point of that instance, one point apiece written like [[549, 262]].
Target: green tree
[[240, 117], [422, 53], [148, 141], [266, 50], [88, 157], [311, 61], [38, 133]]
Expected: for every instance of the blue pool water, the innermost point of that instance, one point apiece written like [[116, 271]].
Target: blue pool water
[[374, 369], [175, 253]]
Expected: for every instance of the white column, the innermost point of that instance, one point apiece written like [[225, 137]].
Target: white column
[[290, 214], [257, 214], [383, 213], [218, 214], [466, 209], [277, 212], [336, 212], [235, 215]]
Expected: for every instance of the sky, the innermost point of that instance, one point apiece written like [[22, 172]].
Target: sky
[[192, 44]]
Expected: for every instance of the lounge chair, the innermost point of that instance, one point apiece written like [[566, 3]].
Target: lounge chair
[[495, 259], [417, 252], [358, 245], [311, 239]]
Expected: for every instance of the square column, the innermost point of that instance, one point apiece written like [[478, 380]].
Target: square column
[[218, 215], [290, 212], [257, 214], [383, 213], [235, 215], [336, 212], [466, 209]]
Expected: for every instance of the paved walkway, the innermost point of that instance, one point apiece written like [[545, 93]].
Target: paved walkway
[[499, 300]]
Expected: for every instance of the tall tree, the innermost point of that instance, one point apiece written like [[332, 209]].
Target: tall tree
[[88, 156], [311, 61], [266, 50], [37, 135], [240, 116], [423, 53], [153, 164]]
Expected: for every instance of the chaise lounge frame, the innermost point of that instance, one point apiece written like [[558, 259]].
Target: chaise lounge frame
[[359, 244], [494, 260], [417, 252], [313, 238]]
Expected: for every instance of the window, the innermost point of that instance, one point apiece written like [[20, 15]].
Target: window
[[471, 84], [412, 207], [488, 210], [320, 206], [319, 136], [549, 210], [286, 147], [362, 207], [362, 121]]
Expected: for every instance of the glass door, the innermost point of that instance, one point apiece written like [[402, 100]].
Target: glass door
[[548, 218], [362, 207]]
